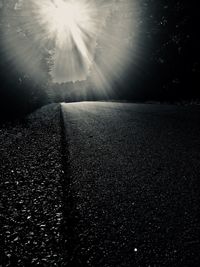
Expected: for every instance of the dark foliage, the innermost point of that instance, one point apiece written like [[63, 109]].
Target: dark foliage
[[172, 59]]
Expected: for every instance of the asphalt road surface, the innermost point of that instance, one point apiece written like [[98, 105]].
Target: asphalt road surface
[[134, 174]]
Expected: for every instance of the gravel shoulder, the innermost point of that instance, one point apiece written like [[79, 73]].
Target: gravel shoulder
[[31, 191]]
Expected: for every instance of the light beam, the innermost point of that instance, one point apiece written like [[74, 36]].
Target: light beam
[[91, 40]]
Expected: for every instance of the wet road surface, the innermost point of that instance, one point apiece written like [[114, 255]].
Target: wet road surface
[[134, 182]]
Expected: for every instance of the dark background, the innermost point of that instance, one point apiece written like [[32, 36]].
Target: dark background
[[168, 70]]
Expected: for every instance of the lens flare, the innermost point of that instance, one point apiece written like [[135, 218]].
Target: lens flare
[[92, 40]]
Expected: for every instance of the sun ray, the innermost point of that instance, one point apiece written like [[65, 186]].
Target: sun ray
[[66, 22], [87, 39]]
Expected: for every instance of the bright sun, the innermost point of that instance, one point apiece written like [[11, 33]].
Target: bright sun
[[67, 15], [73, 27], [80, 39], [64, 18]]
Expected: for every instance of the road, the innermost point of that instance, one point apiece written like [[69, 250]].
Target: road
[[134, 181]]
